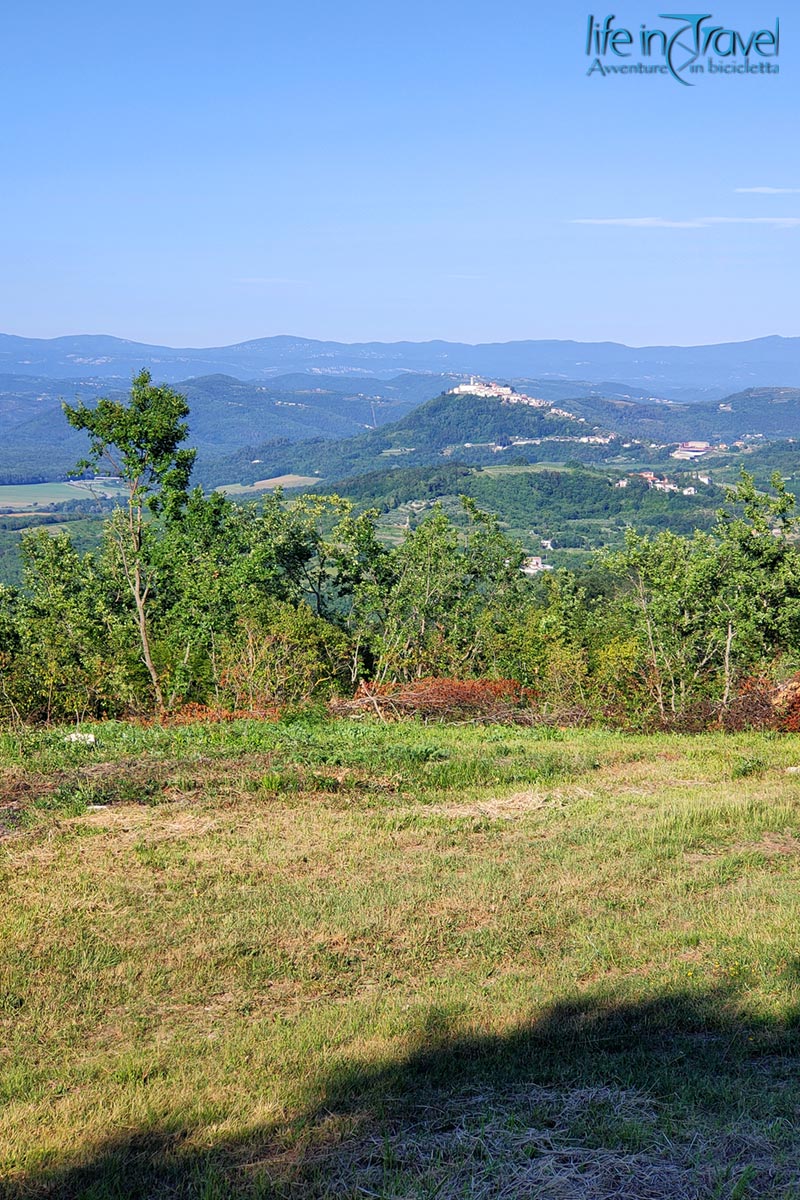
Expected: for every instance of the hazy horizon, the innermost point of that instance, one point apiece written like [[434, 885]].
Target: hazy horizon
[[422, 341]]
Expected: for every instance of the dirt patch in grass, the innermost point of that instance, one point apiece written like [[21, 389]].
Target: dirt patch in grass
[[120, 820], [774, 843], [496, 807], [771, 845]]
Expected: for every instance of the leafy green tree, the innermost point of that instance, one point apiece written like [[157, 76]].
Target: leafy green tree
[[669, 588], [712, 608], [220, 568], [9, 651], [70, 658], [140, 442], [225, 569], [547, 638], [759, 592], [431, 609]]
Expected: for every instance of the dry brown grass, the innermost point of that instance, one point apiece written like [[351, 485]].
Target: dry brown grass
[[310, 976]]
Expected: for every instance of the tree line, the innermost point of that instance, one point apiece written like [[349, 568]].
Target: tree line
[[195, 599]]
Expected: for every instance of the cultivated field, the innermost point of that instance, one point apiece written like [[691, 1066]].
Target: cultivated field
[[332, 959], [21, 497], [268, 485]]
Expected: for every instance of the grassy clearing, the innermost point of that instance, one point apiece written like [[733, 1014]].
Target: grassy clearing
[[330, 959]]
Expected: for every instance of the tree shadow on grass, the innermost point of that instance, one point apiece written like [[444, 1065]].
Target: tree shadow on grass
[[686, 1096]]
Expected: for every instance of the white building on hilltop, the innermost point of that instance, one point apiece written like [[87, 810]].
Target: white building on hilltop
[[475, 388], [499, 391]]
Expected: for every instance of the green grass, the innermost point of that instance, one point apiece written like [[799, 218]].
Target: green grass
[[347, 959]]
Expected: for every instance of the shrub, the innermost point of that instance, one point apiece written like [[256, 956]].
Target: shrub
[[284, 655]]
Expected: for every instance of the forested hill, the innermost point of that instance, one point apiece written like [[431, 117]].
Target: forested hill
[[225, 414], [326, 427], [242, 420], [772, 412], [472, 428], [228, 413], [421, 438]]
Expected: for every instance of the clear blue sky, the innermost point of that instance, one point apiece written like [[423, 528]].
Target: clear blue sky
[[202, 173]]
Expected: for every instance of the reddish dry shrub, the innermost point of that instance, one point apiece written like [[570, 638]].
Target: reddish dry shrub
[[485, 700], [786, 706], [753, 706], [758, 703]]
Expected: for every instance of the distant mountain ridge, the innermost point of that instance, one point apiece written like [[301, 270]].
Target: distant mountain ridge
[[706, 372]]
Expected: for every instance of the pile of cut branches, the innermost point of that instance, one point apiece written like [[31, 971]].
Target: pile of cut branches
[[483, 701]]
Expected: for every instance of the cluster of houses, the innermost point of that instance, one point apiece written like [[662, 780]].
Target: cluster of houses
[[661, 483], [498, 447], [687, 451], [495, 390], [499, 391]]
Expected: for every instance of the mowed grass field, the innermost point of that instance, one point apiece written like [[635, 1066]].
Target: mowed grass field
[[354, 959]]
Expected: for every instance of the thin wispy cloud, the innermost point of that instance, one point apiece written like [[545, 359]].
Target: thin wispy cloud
[[688, 223], [770, 191]]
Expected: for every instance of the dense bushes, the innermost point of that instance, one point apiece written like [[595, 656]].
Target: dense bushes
[[281, 603], [285, 656], [194, 600]]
